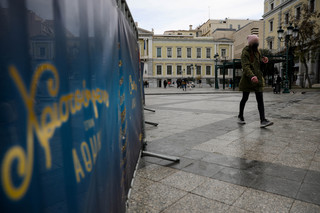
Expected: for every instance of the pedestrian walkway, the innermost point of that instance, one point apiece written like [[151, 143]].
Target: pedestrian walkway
[[197, 90], [207, 90], [225, 167]]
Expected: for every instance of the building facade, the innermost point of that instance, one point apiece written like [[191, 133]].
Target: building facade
[[191, 32], [240, 36], [145, 49], [170, 57], [190, 53], [278, 13], [209, 27]]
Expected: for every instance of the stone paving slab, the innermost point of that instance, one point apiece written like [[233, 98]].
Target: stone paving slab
[[260, 201], [158, 196], [194, 203], [184, 180], [220, 191], [225, 167], [302, 207]]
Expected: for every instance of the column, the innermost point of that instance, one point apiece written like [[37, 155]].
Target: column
[[232, 51], [150, 47], [145, 47]]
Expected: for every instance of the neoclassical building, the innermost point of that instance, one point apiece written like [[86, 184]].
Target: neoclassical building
[[190, 53], [212, 26], [278, 13], [182, 54]]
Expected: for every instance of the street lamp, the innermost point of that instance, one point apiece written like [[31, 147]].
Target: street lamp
[[291, 32], [295, 32], [216, 56], [280, 33], [290, 29]]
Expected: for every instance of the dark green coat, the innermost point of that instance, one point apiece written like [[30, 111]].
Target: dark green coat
[[251, 69]]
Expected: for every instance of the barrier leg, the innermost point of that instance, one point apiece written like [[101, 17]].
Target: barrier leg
[[151, 110], [165, 157], [151, 123], [151, 154]]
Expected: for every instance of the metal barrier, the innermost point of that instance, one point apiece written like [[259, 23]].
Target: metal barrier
[[71, 114]]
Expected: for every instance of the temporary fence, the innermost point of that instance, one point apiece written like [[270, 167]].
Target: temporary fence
[[70, 105]]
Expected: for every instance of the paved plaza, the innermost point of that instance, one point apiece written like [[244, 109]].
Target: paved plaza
[[226, 167]]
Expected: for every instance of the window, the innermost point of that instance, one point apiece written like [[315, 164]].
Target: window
[[179, 70], [188, 70], [208, 70], [42, 51], [239, 26], [198, 70], [169, 70], [272, 6], [198, 52], [271, 26], [208, 52], [286, 18], [230, 26], [159, 70], [169, 52], [158, 52], [312, 6], [270, 45], [223, 52], [178, 52], [298, 13], [188, 52]]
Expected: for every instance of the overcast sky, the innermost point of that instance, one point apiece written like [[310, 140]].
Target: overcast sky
[[165, 15]]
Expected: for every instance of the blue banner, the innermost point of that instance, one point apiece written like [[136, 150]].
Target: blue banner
[[70, 105]]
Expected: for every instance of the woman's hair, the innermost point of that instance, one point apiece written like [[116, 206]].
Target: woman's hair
[[252, 52]]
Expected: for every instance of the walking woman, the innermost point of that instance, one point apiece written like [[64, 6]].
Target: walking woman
[[252, 79]]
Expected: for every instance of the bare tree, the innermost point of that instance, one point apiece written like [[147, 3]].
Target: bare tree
[[307, 44]]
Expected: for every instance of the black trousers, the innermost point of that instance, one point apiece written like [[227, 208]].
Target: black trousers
[[259, 97]]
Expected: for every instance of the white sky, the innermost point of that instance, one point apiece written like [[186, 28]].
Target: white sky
[[165, 15]]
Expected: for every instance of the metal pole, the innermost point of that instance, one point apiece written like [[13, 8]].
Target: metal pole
[[224, 75], [234, 77], [286, 82], [151, 123], [165, 157], [151, 110], [216, 75], [291, 72]]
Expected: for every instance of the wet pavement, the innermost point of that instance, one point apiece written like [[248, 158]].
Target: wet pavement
[[226, 167]]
